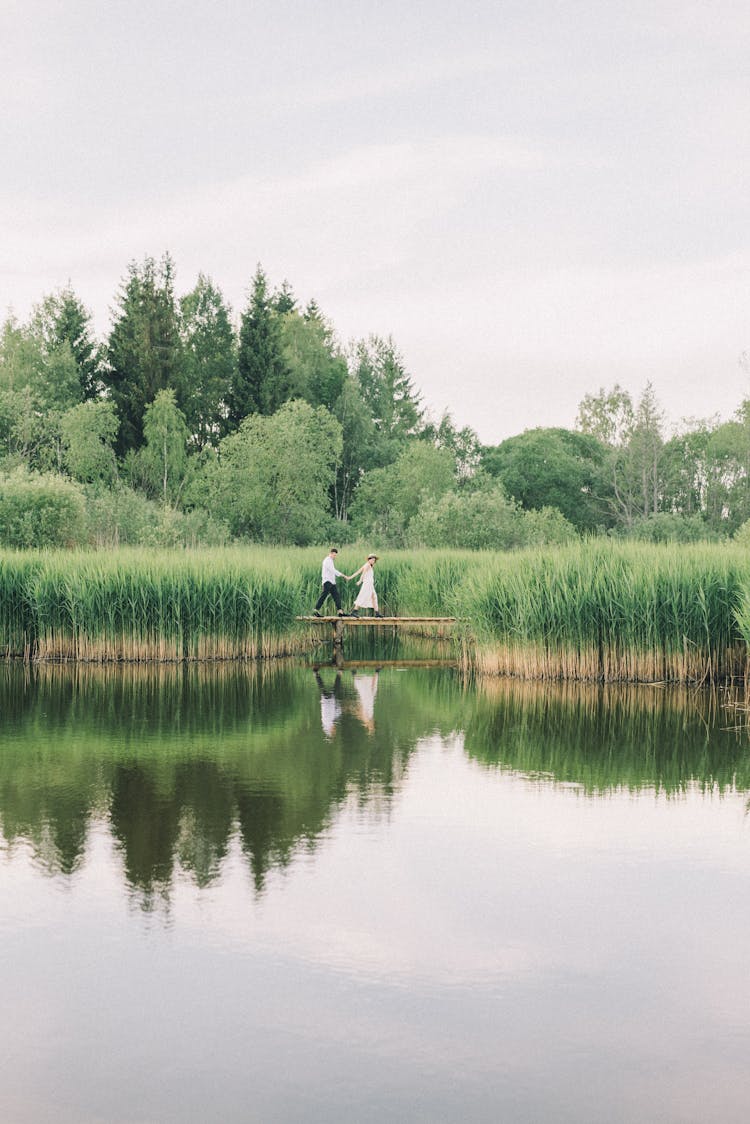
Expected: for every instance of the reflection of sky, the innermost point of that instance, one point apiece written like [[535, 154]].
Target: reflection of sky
[[495, 948]]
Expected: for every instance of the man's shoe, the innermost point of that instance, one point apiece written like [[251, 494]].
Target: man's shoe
[[379, 615], [341, 613], [316, 613]]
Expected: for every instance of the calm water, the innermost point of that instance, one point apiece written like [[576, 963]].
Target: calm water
[[229, 895]]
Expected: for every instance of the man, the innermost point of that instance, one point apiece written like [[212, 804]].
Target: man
[[330, 589]]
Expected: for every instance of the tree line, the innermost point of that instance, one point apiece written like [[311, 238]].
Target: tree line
[[187, 425]]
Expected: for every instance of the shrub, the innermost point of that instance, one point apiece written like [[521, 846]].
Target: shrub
[[486, 520], [123, 517], [668, 526], [40, 511]]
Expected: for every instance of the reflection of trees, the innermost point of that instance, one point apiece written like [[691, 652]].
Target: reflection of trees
[[607, 736], [181, 759], [182, 762]]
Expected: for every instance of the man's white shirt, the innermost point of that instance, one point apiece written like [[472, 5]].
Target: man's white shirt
[[330, 572]]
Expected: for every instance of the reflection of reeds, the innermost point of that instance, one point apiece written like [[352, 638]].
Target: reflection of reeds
[[605, 736]]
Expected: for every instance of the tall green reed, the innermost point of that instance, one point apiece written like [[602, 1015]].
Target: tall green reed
[[597, 610]]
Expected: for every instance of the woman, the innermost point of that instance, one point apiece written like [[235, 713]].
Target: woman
[[367, 598]]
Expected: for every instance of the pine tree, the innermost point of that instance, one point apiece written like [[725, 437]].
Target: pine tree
[[261, 384], [284, 299], [144, 351], [209, 361], [387, 389], [62, 318]]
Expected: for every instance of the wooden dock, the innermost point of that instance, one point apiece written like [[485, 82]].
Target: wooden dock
[[338, 624]]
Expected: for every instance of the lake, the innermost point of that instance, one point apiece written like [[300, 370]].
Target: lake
[[275, 893]]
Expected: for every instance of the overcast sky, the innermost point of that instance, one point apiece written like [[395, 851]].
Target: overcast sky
[[534, 198]]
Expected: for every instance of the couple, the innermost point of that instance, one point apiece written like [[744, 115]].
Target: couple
[[367, 598]]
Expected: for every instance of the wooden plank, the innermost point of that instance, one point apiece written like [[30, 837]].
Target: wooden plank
[[377, 620], [352, 665]]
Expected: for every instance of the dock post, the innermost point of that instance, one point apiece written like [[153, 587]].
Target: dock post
[[338, 642]]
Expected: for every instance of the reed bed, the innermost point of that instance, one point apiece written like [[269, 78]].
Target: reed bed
[[138, 606], [613, 613], [590, 611]]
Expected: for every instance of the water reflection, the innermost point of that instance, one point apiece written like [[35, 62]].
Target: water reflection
[[608, 737], [336, 698], [180, 761]]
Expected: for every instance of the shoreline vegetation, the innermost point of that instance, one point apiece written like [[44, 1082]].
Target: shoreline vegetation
[[590, 611]]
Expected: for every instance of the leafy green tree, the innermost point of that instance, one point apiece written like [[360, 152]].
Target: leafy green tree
[[463, 444], [645, 453], [727, 470], [272, 478], [88, 433], [555, 468], [144, 352], [686, 469], [163, 460], [48, 372], [608, 415], [261, 382], [387, 390], [388, 498], [209, 351], [61, 318], [359, 445], [636, 459], [36, 386], [23, 433], [315, 367]]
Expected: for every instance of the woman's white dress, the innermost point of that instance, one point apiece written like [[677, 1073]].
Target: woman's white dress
[[367, 598]]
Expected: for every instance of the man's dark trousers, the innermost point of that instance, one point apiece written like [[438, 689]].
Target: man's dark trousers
[[330, 589]]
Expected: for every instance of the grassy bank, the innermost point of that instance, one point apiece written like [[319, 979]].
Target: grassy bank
[[612, 612]]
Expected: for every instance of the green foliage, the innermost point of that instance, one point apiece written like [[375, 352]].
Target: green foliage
[[61, 319], [40, 511], [604, 610], [463, 444], [387, 390], [272, 479], [261, 383], [163, 460], [209, 356], [144, 352], [609, 415], [389, 498], [485, 519], [638, 468], [88, 432], [665, 527], [359, 445], [316, 369], [22, 430], [121, 516], [46, 371], [612, 611], [554, 468]]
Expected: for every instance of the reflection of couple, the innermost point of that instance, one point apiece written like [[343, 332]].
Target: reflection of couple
[[333, 701], [367, 598]]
